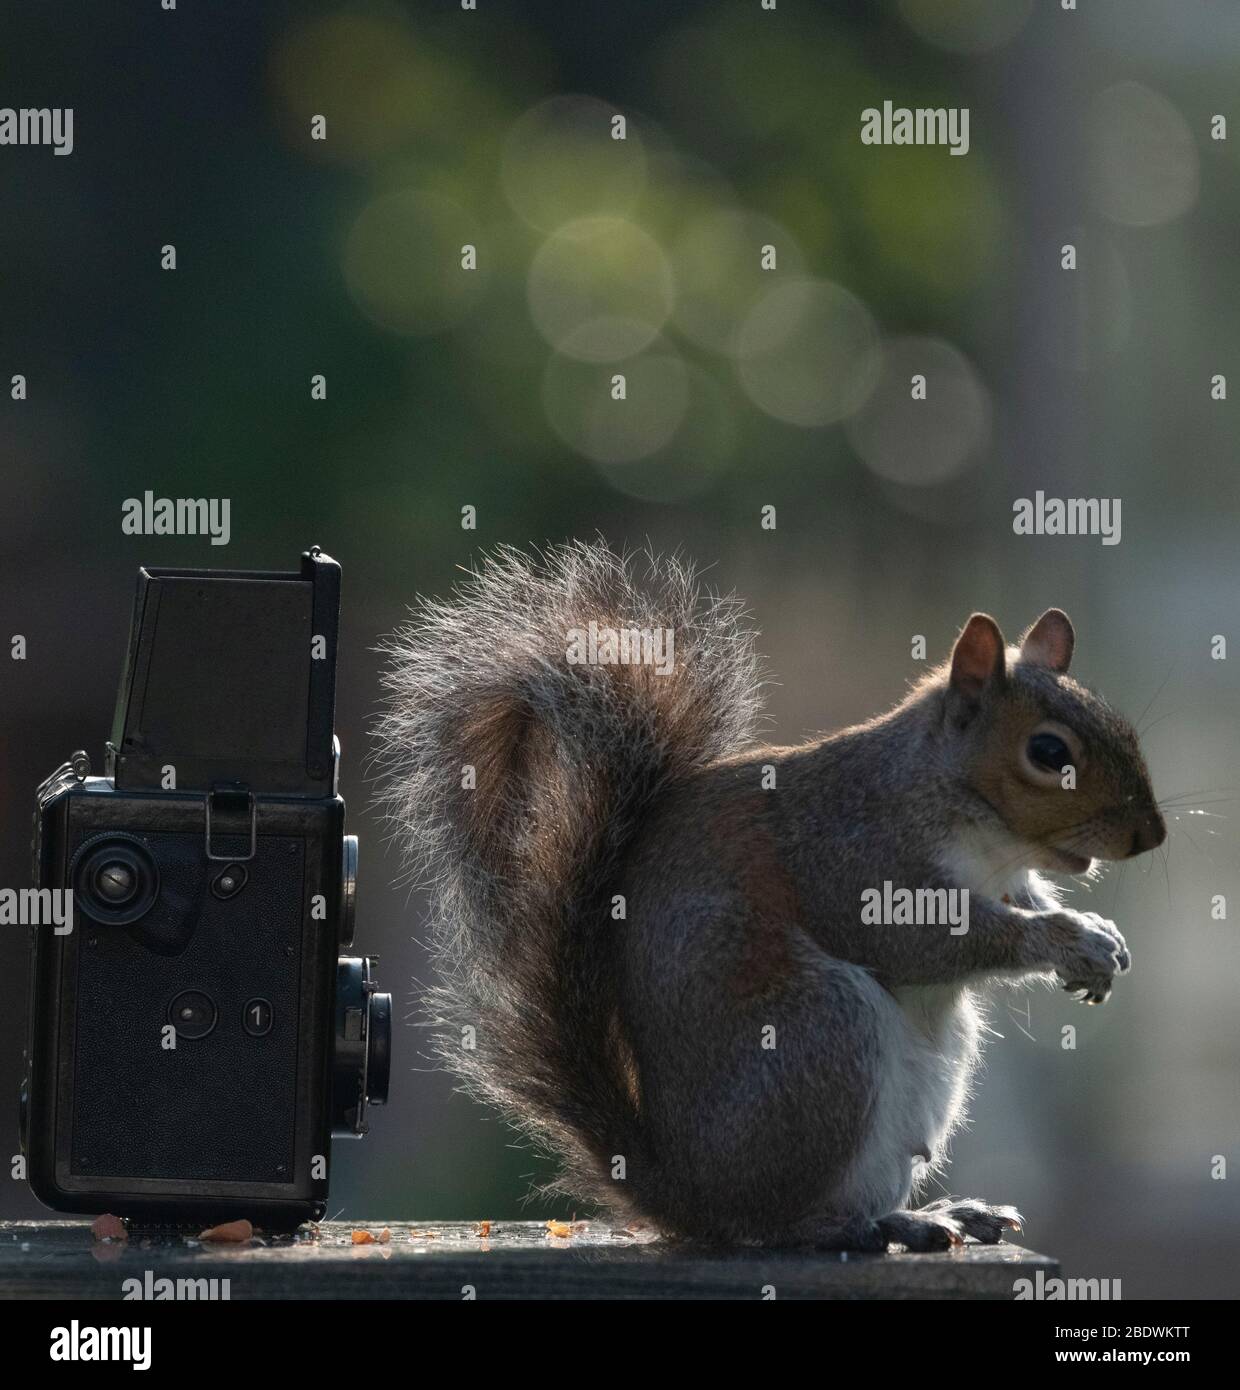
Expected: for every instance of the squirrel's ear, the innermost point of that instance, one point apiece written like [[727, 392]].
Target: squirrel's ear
[[978, 656], [1049, 642]]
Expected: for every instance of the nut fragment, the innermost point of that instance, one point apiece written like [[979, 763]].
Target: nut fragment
[[231, 1232], [108, 1227]]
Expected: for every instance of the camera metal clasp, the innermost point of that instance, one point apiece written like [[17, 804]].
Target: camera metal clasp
[[76, 769], [253, 810]]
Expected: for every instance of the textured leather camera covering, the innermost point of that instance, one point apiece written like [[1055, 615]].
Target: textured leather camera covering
[[216, 1108]]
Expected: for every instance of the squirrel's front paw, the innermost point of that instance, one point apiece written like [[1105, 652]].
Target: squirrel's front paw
[[1087, 952]]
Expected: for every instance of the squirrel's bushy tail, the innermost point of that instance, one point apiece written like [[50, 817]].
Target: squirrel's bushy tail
[[521, 856]]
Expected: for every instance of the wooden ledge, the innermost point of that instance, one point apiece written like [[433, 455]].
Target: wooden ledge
[[513, 1260]]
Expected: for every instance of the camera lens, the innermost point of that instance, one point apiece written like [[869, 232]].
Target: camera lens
[[115, 879]]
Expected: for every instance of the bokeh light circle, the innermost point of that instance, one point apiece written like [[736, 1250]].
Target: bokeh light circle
[[368, 75], [808, 352], [691, 460], [600, 289], [1142, 159], [922, 443], [402, 262], [560, 162], [580, 406], [966, 26], [718, 264]]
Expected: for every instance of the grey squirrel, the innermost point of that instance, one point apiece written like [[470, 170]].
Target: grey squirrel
[[650, 930]]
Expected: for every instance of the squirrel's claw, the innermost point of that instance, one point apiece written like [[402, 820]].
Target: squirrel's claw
[[1087, 994]]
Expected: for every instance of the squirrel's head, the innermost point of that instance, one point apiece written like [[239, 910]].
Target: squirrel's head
[[1061, 768]]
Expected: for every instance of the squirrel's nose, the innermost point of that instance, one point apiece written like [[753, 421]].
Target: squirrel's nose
[[1151, 831]]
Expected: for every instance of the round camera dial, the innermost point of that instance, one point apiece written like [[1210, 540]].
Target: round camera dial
[[114, 878], [361, 1055], [348, 891]]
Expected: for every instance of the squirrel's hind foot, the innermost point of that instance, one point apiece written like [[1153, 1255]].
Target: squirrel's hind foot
[[940, 1226], [914, 1230], [977, 1219], [920, 1231]]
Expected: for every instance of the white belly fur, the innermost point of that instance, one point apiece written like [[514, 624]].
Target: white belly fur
[[930, 1046], [931, 1049]]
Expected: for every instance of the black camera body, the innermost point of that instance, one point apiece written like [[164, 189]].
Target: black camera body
[[199, 1032]]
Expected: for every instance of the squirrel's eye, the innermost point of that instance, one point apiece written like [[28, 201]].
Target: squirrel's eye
[[1049, 751]]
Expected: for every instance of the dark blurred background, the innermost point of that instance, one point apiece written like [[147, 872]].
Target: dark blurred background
[[785, 387]]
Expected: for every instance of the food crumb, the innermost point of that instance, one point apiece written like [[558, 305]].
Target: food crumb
[[560, 1228], [385, 1235], [108, 1227], [484, 1229], [231, 1232], [363, 1238]]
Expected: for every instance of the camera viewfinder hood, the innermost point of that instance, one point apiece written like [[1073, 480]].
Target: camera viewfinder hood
[[236, 660]]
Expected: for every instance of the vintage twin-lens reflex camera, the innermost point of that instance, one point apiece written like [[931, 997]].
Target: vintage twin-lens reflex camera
[[201, 1032]]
